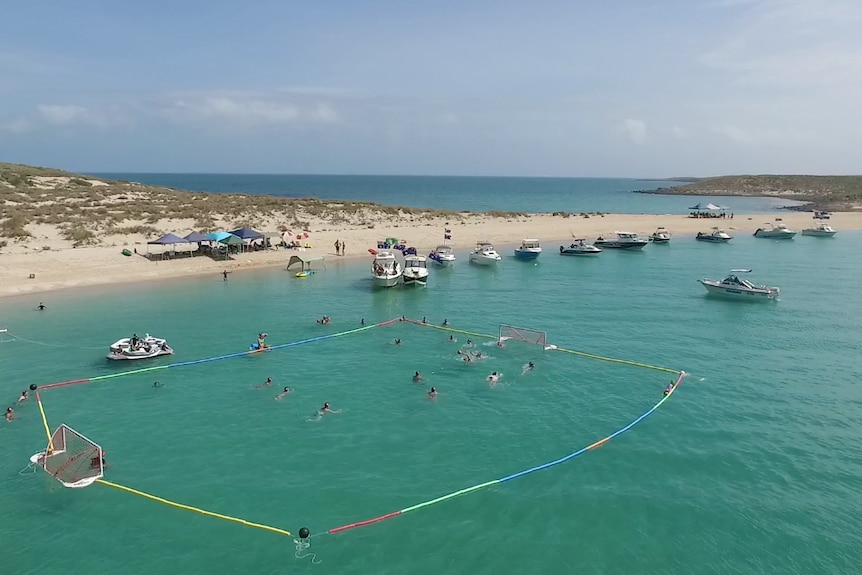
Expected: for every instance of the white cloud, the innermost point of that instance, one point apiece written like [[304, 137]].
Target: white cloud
[[249, 111], [636, 130], [63, 115]]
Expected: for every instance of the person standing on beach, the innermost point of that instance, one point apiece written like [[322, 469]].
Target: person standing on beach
[[337, 247], [342, 248], [224, 274]]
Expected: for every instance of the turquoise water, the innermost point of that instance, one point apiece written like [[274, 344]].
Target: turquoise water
[[753, 465], [613, 195]]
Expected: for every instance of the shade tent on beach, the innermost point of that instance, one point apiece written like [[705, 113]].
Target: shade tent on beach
[[197, 237], [247, 234], [305, 261], [710, 207], [225, 238], [168, 240]]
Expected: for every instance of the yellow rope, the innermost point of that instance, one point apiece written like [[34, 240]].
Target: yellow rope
[[195, 509], [614, 360], [50, 448]]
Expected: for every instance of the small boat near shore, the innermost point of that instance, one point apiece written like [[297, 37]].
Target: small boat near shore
[[775, 232], [443, 255], [385, 270], [415, 271], [660, 236], [823, 230], [717, 236], [734, 287], [485, 254], [139, 348], [622, 241], [580, 248], [530, 249]]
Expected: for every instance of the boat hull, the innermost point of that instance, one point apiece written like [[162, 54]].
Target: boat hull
[[774, 235], [483, 261], [386, 281], [151, 347], [631, 246], [527, 254], [442, 262], [712, 239], [818, 233], [417, 277], [733, 293]]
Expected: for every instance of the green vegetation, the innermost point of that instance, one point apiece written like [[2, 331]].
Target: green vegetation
[[84, 211], [839, 193]]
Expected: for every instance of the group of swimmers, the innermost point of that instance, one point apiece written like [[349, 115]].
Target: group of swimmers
[[432, 393], [10, 411], [287, 391]]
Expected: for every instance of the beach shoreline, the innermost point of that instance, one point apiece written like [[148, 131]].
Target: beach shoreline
[[30, 269]]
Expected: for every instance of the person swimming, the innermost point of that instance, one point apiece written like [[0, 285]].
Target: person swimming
[[327, 409], [500, 343], [397, 341], [445, 323], [416, 377], [24, 395], [493, 378], [433, 393], [668, 389], [267, 383], [10, 413], [469, 343], [286, 391], [157, 384], [452, 338]]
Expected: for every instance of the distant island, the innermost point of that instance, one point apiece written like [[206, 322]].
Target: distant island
[[833, 193]]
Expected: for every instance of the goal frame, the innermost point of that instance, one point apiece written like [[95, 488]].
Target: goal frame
[[57, 445], [505, 331]]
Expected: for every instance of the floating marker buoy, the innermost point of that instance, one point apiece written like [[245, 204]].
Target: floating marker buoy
[[304, 533]]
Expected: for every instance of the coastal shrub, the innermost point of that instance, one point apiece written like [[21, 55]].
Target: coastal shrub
[[13, 227], [79, 236], [3, 244], [80, 182], [139, 229]]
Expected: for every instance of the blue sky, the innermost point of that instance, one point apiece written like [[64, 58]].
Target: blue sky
[[553, 88]]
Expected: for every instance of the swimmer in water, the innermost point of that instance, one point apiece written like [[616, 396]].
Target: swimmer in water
[[493, 378], [500, 343], [467, 357], [157, 384], [286, 391], [528, 367], [267, 383], [452, 338], [327, 409], [445, 323], [416, 377], [469, 343], [668, 389], [433, 393], [478, 355], [10, 413], [24, 395], [397, 342]]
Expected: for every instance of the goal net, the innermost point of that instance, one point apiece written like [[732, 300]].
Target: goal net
[[71, 458], [509, 332]]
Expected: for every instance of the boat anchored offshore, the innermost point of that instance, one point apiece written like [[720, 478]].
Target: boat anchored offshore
[[717, 235], [775, 232], [623, 241], [822, 230], [415, 271], [660, 236], [529, 250], [139, 348], [442, 255], [580, 248], [484, 254], [732, 286], [385, 269]]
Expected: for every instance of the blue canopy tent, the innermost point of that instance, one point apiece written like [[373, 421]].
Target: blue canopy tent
[[167, 240], [248, 235], [226, 239], [198, 238]]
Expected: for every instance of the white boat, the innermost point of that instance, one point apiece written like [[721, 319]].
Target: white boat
[[822, 230], [622, 241], [442, 255], [415, 270], [732, 286], [717, 235], [529, 250], [660, 236], [484, 254], [580, 248], [385, 269], [775, 231], [139, 348]]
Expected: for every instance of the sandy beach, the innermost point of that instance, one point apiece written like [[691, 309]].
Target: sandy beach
[[47, 262]]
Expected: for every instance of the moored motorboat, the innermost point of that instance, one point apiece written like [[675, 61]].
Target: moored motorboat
[[822, 230], [660, 236], [622, 241], [415, 271], [529, 249], [580, 248], [484, 254], [385, 270], [442, 255], [139, 348], [733, 286], [717, 235], [775, 231]]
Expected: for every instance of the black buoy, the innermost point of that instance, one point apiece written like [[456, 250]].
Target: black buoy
[[33, 387], [304, 533]]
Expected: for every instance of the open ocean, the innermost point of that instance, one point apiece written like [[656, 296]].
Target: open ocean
[[753, 465]]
